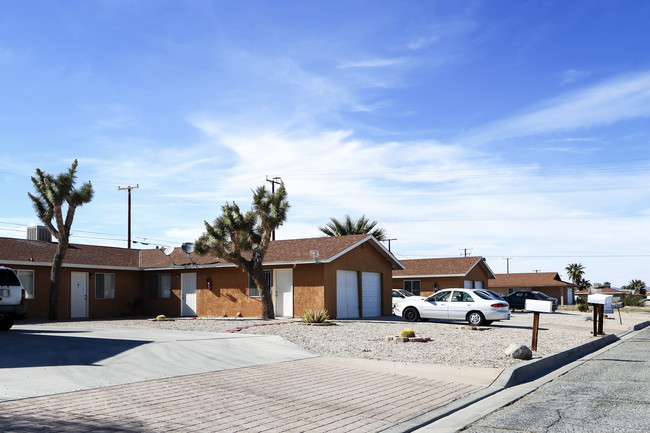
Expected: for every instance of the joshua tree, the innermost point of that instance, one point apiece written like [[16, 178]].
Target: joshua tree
[[361, 226], [52, 196], [243, 239]]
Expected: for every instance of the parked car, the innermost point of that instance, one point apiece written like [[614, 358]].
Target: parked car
[[517, 300], [12, 299], [472, 305], [400, 295]]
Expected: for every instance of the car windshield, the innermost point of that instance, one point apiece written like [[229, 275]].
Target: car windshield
[[407, 293]]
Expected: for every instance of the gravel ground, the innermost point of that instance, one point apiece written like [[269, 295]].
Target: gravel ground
[[452, 344]]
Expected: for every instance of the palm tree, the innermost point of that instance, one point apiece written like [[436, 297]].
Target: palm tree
[[575, 272], [361, 226], [638, 286], [52, 196]]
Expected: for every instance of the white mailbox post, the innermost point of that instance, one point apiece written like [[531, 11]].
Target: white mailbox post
[[599, 302], [537, 306]]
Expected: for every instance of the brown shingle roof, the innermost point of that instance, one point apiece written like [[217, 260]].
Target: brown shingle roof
[[284, 251], [530, 279], [605, 290], [451, 266], [22, 250]]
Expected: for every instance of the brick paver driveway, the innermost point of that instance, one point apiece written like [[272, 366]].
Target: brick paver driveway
[[315, 395]]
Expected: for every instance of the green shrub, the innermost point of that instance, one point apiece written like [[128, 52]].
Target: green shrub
[[633, 301], [583, 307], [315, 316], [407, 332]]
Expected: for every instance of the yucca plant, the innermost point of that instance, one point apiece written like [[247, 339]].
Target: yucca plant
[[316, 316]]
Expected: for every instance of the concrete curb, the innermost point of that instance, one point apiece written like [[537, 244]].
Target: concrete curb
[[515, 376]]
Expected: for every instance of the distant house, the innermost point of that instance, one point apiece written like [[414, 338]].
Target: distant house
[[427, 276], [616, 293], [549, 283], [350, 276]]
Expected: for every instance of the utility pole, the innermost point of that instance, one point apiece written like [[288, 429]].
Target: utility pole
[[128, 189], [507, 259], [466, 251], [273, 181], [536, 270], [394, 239]]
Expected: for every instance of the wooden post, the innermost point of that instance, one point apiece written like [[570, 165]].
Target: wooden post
[[601, 311], [595, 307], [535, 330]]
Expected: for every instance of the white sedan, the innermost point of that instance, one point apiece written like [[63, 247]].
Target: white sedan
[[473, 305]]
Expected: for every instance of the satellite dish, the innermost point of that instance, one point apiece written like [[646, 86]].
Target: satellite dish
[[188, 247], [168, 251]]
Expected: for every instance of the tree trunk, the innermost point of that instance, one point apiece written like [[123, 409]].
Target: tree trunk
[[267, 303], [55, 279]]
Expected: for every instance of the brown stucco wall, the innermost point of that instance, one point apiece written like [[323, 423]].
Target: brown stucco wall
[[364, 258], [228, 295], [427, 285], [127, 286]]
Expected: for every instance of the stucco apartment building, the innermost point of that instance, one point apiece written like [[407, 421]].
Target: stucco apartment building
[[350, 276], [427, 276], [549, 283]]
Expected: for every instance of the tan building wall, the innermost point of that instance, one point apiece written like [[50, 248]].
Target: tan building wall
[[364, 258], [428, 284]]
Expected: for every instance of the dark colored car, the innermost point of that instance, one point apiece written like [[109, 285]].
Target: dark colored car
[[517, 300]]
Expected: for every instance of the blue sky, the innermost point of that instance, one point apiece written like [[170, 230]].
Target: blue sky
[[514, 128]]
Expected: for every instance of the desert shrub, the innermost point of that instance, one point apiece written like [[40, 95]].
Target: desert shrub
[[407, 332], [582, 306], [160, 317], [315, 316], [633, 301]]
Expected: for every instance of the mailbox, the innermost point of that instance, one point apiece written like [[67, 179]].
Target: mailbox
[[539, 306], [600, 298]]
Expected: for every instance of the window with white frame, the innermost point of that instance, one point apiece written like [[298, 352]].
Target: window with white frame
[[412, 286], [26, 278], [104, 286], [159, 286], [252, 288]]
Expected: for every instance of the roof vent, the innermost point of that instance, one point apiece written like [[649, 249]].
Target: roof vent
[[38, 233]]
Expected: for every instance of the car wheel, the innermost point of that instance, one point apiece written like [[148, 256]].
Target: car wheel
[[411, 314], [6, 324], [475, 318]]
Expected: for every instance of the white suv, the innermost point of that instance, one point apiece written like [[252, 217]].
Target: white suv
[[12, 299]]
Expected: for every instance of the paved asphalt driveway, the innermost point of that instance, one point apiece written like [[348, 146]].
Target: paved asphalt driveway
[[134, 380], [608, 393]]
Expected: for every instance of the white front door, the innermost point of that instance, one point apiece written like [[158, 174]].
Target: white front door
[[78, 294], [347, 295], [283, 292], [188, 294], [371, 294]]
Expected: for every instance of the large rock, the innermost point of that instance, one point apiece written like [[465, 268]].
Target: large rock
[[519, 351]]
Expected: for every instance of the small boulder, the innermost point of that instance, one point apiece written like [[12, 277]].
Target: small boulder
[[519, 351]]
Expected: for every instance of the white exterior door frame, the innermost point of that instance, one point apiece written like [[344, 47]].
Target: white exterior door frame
[[188, 294], [283, 292], [78, 295]]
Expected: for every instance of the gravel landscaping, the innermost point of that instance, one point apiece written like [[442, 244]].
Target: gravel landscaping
[[453, 344]]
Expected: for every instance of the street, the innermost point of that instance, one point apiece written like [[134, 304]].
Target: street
[[610, 392]]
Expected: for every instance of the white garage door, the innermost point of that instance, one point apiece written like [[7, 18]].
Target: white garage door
[[371, 294], [347, 295]]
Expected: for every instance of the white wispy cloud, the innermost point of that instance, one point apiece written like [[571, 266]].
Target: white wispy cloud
[[422, 42], [373, 63], [606, 103]]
